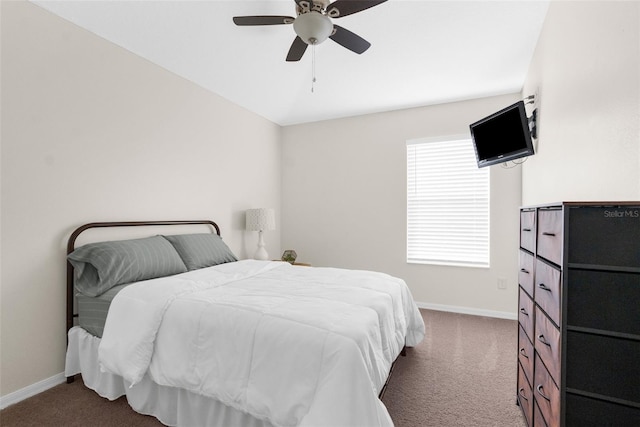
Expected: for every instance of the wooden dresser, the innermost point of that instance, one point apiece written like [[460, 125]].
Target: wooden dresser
[[579, 314]]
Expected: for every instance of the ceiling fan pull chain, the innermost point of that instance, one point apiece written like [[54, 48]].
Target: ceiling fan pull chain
[[313, 66]]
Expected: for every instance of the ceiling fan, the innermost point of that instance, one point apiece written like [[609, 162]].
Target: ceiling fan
[[313, 24]]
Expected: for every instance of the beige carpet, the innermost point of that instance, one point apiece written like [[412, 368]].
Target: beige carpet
[[462, 374]]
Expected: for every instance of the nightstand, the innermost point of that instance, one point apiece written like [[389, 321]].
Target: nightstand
[[302, 264]]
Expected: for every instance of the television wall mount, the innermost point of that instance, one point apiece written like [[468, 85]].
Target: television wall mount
[[533, 118]]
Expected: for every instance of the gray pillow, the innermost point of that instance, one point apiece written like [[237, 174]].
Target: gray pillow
[[100, 266], [201, 250]]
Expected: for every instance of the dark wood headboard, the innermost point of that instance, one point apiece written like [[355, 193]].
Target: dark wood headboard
[[71, 246]]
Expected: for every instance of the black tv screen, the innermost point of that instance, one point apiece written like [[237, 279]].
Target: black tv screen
[[502, 136]]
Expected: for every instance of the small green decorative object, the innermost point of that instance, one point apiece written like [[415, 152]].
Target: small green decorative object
[[289, 256]]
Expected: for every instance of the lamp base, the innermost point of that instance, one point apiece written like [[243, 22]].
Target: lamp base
[[261, 252]]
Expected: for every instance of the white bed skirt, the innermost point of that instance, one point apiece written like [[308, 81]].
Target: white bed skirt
[[172, 406]]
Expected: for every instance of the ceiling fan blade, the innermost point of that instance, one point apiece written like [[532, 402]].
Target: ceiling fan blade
[[350, 40], [298, 47], [263, 20], [340, 8]]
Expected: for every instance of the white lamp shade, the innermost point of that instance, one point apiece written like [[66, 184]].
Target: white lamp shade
[[261, 219]]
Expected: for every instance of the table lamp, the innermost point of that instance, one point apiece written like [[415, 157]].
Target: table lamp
[[260, 220]]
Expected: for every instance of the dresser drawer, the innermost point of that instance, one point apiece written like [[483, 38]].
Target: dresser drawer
[[604, 235], [525, 395], [547, 344], [525, 354], [603, 365], [538, 419], [548, 290], [585, 411], [528, 230], [604, 300], [549, 232], [525, 275], [525, 313], [546, 395]]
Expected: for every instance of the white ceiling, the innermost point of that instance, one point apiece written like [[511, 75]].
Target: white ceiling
[[422, 53]]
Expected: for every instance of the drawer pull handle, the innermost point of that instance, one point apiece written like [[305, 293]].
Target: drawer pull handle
[[546, 233], [526, 229], [523, 353], [543, 340], [524, 270], [544, 287], [524, 311], [521, 393], [539, 390]]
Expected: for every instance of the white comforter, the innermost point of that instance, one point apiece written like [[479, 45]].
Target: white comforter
[[293, 345]]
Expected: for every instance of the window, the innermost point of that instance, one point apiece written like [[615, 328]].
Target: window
[[447, 203]]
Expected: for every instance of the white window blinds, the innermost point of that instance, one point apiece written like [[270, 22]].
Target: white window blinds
[[447, 203]]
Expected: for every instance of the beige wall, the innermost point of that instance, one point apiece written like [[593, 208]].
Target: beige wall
[[92, 132], [587, 70], [344, 202]]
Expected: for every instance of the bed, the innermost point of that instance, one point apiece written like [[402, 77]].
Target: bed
[[194, 336]]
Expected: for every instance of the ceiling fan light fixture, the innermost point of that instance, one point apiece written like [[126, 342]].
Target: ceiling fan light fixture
[[313, 27]]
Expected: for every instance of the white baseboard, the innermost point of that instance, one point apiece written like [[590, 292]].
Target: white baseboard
[[31, 390], [468, 310]]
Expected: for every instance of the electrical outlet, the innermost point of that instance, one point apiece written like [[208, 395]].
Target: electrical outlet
[[502, 283]]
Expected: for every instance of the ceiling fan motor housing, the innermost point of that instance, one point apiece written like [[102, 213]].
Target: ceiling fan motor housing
[[313, 27]]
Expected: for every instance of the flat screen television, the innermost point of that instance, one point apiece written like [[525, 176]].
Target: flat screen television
[[502, 136]]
